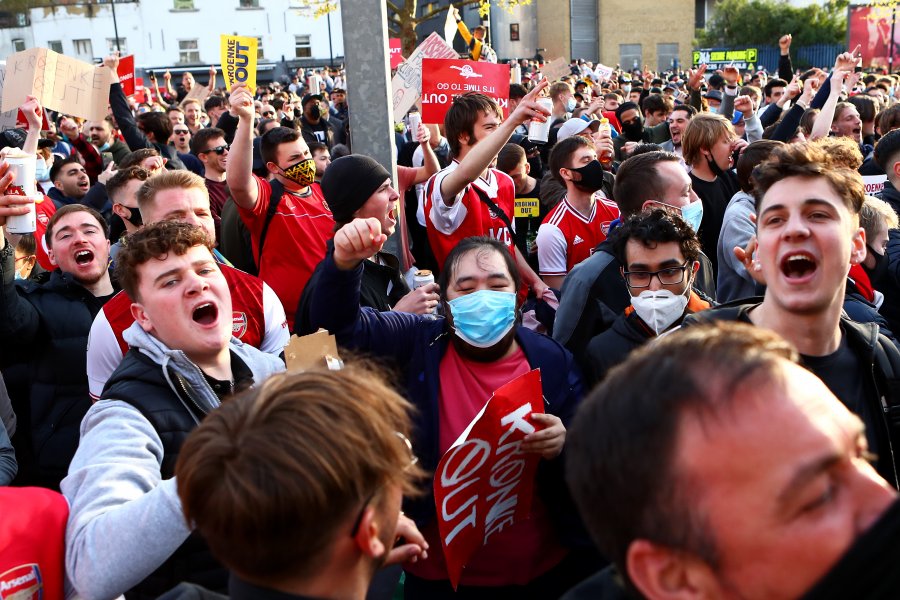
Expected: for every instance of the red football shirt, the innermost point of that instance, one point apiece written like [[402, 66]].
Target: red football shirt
[[567, 237]]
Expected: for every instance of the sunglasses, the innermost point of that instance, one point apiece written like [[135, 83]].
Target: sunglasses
[[182, 132], [268, 113], [220, 150]]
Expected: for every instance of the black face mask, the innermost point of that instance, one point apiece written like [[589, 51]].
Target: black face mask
[[879, 270], [634, 131], [869, 568], [714, 167], [591, 176], [135, 217]]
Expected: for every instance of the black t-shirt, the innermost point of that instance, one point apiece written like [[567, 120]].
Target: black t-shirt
[[243, 379], [527, 227], [842, 373], [715, 196]]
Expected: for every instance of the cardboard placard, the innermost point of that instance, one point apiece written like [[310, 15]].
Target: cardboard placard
[[485, 483], [396, 48], [60, 83], [407, 83], [874, 184], [556, 68], [198, 92], [603, 73], [450, 26], [443, 79], [312, 351], [239, 55], [126, 74], [7, 118]]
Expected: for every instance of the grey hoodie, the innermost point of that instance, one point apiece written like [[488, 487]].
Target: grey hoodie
[[733, 281], [125, 521]]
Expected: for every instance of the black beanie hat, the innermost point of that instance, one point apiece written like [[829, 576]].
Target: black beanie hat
[[348, 182]]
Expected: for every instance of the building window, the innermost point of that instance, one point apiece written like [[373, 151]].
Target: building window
[[183, 5], [121, 46], [630, 56], [83, 48], [667, 56], [22, 19], [55, 45], [18, 45], [188, 52], [260, 55], [302, 46], [248, 3], [514, 32]]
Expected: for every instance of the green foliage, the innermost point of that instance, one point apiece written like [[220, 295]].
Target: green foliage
[[762, 22]]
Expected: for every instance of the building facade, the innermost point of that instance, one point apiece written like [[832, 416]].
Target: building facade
[[180, 35]]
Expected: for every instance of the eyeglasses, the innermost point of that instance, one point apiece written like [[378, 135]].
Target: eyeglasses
[[413, 461], [668, 276], [220, 150]]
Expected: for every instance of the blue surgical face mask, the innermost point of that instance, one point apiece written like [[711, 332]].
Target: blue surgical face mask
[[42, 171], [626, 88], [693, 214], [483, 318], [570, 105], [19, 277]]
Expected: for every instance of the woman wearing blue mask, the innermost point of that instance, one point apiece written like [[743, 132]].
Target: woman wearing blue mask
[[450, 369]]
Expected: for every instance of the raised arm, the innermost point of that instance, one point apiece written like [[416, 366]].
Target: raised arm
[[239, 171], [431, 164], [134, 137]]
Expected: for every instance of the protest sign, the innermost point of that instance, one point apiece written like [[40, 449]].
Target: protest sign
[[719, 58], [7, 118], [60, 83], [407, 83], [450, 26], [396, 46], [874, 184], [485, 483], [443, 79], [139, 90], [239, 60], [603, 73], [126, 74], [198, 92], [555, 69]]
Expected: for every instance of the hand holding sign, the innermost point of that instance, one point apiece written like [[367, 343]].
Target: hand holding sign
[[550, 438], [241, 102], [528, 109], [33, 112], [356, 241]]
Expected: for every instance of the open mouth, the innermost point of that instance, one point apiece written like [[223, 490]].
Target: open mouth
[[798, 266], [84, 257], [206, 314]]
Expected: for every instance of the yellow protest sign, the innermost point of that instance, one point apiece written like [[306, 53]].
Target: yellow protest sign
[[528, 207], [239, 60]]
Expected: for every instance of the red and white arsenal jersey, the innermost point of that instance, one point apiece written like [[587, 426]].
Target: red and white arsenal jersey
[[566, 237]]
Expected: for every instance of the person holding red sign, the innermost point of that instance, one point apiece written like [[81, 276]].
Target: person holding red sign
[[469, 198], [451, 368]]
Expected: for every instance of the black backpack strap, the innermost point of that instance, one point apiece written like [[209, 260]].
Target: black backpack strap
[[274, 201], [493, 206]]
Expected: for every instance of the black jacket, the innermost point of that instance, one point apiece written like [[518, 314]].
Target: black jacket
[[890, 283], [134, 137], [881, 376], [604, 351], [862, 311], [46, 326]]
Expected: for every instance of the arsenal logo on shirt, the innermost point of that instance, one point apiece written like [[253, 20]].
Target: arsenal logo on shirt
[[238, 324]]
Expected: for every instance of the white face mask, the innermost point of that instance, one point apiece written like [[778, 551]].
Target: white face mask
[[660, 308]]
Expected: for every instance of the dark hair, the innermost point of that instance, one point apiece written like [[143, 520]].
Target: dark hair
[[807, 120], [156, 123], [58, 166], [690, 110], [268, 146], [753, 155], [887, 150], [118, 181], [889, 119], [134, 159], [275, 475], [509, 157], [151, 241], [462, 115], [771, 84], [339, 150], [517, 91], [645, 147], [27, 244], [69, 209], [214, 101], [637, 181], [627, 106], [656, 227], [316, 147], [562, 152], [865, 105], [200, 139], [808, 161], [480, 244], [657, 102], [622, 444]]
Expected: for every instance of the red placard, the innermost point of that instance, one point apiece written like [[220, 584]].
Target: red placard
[[139, 90], [484, 483], [126, 74], [443, 79], [22, 122], [396, 46]]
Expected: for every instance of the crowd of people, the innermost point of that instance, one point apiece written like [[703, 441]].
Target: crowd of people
[[153, 444]]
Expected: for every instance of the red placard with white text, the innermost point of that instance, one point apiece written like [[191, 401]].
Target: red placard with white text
[[443, 79], [485, 483], [126, 74], [396, 47], [139, 90]]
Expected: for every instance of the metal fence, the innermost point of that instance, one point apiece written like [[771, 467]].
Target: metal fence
[[818, 55]]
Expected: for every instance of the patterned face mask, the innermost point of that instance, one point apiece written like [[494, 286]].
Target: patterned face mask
[[302, 173]]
